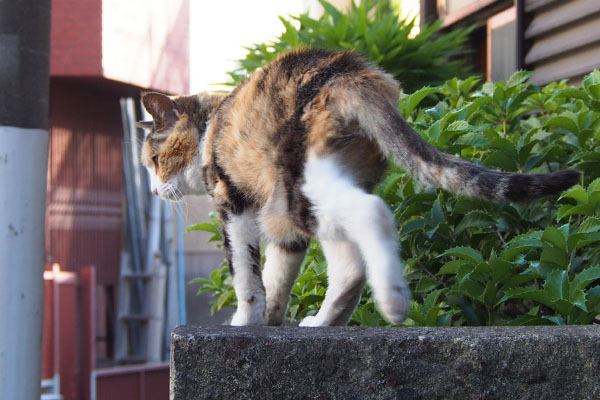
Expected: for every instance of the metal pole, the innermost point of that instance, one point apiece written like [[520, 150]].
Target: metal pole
[[181, 269], [24, 99]]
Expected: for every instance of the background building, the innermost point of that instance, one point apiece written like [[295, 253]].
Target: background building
[[556, 38]]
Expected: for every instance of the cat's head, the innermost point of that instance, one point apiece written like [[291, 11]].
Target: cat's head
[[171, 151]]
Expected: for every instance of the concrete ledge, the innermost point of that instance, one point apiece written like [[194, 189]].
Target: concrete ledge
[[385, 363]]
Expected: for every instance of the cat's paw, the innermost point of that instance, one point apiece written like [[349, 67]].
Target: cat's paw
[[310, 322], [247, 317], [394, 305]]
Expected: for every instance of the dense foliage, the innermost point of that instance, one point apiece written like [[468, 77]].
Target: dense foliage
[[374, 29], [469, 261]]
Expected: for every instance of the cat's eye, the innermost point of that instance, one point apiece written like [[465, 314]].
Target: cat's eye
[[155, 161]]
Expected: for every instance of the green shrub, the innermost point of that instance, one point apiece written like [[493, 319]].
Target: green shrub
[[372, 28], [472, 262], [468, 261]]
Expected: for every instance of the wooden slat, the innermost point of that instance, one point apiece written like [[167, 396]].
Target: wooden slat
[[532, 5], [569, 66], [566, 13], [576, 36]]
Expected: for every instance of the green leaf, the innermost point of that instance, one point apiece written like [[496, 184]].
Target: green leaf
[[414, 99], [465, 253], [523, 320], [451, 267], [566, 210], [518, 246], [557, 285], [591, 83], [489, 295], [474, 219], [529, 293], [499, 159], [290, 35], [555, 237], [472, 289], [565, 121], [585, 277], [576, 192], [518, 78], [205, 227], [500, 269], [331, 10]]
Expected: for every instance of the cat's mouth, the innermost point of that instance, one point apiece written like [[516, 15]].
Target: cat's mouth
[[168, 192]]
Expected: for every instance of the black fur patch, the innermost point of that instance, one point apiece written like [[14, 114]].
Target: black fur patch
[[292, 134], [255, 257], [526, 187], [294, 247], [224, 219]]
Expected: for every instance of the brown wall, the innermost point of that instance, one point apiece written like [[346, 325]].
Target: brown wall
[[85, 176]]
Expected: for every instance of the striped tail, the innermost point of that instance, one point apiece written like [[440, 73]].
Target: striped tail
[[432, 167]]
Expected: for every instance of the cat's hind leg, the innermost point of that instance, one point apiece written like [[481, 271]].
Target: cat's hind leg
[[345, 280], [344, 211], [241, 241], [281, 269]]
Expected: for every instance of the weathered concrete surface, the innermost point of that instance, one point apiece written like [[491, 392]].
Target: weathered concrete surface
[[385, 363]]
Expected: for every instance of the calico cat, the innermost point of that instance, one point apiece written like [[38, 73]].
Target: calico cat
[[293, 153]]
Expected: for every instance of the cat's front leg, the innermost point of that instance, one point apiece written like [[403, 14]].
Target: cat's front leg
[[241, 241]]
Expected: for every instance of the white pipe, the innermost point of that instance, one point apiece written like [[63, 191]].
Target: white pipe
[[23, 172]]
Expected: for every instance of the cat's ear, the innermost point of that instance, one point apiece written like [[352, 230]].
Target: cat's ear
[[162, 109], [145, 125]]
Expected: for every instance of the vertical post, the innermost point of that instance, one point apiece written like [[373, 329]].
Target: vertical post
[[429, 12], [24, 89], [520, 48]]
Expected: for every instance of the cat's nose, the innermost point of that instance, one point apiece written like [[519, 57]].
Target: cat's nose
[[155, 191]]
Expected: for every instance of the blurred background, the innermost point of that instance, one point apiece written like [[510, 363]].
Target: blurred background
[[117, 260]]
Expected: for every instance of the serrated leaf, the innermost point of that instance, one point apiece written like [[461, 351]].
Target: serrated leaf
[[585, 277], [594, 186], [290, 35], [460, 125], [519, 246], [518, 77], [472, 289], [451, 267], [474, 219], [465, 253], [528, 293], [567, 210], [590, 224], [576, 192], [591, 83], [557, 285], [474, 139]]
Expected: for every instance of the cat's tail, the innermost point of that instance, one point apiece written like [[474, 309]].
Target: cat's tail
[[432, 167]]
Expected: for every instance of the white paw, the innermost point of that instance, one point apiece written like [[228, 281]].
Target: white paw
[[247, 317], [393, 305], [310, 322]]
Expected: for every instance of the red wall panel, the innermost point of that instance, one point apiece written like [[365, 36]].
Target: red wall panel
[[85, 177]]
